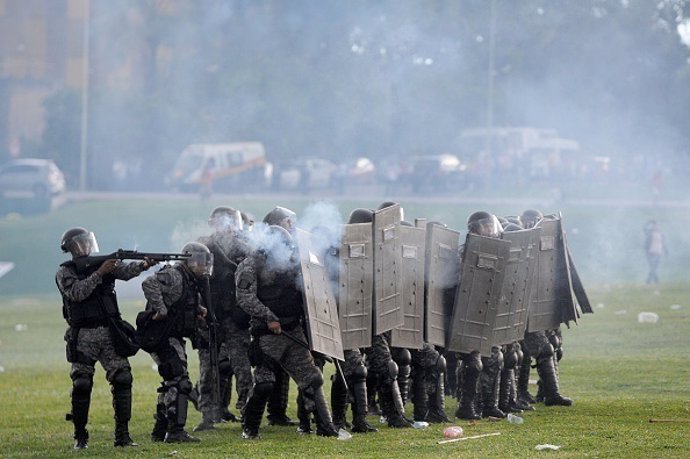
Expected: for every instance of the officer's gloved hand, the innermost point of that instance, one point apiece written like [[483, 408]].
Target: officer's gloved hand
[[107, 267]]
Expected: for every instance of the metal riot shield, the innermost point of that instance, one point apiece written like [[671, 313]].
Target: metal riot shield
[[388, 311], [552, 291], [442, 273], [321, 310], [411, 334], [477, 295], [511, 318], [356, 295], [578, 288]]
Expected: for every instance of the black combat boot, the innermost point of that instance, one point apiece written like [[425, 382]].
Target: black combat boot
[[122, 405], [338, 402], [278, 401], [304, 416], [505, 400], [81, 401], [322, 415], [359, 407], [437, 401], [420, 397], [490, 386], [523, 381], [390, 408], [254, 410], [372, 389], [161, 424], [468, 394], [225, 414], [177, 418], [549, 380]]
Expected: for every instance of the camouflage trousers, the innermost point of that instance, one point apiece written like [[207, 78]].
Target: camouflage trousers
[[233, 352], [536, 344], [297, 361], [171, 359], [353, 360], [379, 355], [425, 366], [96, 345]]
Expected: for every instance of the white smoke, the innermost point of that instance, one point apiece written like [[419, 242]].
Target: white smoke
[[190, 231]]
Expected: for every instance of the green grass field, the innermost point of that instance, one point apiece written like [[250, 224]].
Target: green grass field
[[621, 373]]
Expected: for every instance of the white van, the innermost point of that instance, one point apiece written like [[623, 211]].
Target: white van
[[227, 166]]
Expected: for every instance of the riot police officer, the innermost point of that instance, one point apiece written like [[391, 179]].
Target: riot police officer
[[172, 313], [89, 302], [228, 249], [268, 287]]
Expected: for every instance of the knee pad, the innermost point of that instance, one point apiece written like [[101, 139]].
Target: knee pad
[[559, 353], [554, 340], [441, 364], [82, 384], [185, 386], [263, 389], [403, 357], [171, 370], [316, 380], [122, 379], [545, 352], [510, 359], [473, 363], [224, 367], [360, 373], [392, 370]]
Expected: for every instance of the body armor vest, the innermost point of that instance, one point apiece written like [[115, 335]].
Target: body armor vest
[[97, 308], [184, 311], [280, 295]]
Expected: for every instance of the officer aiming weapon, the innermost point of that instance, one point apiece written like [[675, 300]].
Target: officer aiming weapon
[[212, 324], [88, 262]]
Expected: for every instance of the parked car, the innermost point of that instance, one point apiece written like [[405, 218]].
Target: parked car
[[31, 178], [303, 174]]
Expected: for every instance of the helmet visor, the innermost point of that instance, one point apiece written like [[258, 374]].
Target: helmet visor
[[488, 227], [83, 244], [200, 263], [226, 221]]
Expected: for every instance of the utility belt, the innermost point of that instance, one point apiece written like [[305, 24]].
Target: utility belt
[[92, 323], [286, 323]]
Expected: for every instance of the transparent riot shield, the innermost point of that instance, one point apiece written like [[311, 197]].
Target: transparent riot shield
[[356, 295], [388, 311], [321, 309], [442, 274], [477, 295], [412, 247], [511, 317]]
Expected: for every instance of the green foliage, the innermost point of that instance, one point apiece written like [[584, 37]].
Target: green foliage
[[620, 373]]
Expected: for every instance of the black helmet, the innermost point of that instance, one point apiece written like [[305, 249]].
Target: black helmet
[[201, 261], [278, 216], [387, 204], [512, 227], [361, 216], [530, 218], [79, 242], [484, 224], [225, 218]]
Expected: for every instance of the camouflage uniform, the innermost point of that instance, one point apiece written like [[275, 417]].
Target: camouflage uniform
[[428, 381], [540, 345], [89, 300], [228, 251], [269, 294], [173, 292]]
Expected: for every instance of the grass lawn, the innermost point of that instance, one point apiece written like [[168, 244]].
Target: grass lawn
[[620, 373]]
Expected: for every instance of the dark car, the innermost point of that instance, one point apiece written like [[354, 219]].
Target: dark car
[[436, 173]]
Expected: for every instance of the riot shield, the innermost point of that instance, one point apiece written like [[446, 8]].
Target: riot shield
[[578, 288], [511, 317], [321, 309], [388, 311], [552, 300], [442, 273], [477, 295], [356, 295], [411, 334]]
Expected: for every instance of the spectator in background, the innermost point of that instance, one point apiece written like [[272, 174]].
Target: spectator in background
[[654, 246]]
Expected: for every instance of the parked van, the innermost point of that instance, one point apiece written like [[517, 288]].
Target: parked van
[[225, 166]]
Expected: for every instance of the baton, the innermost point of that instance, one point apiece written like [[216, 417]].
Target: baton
[[335, 361]]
